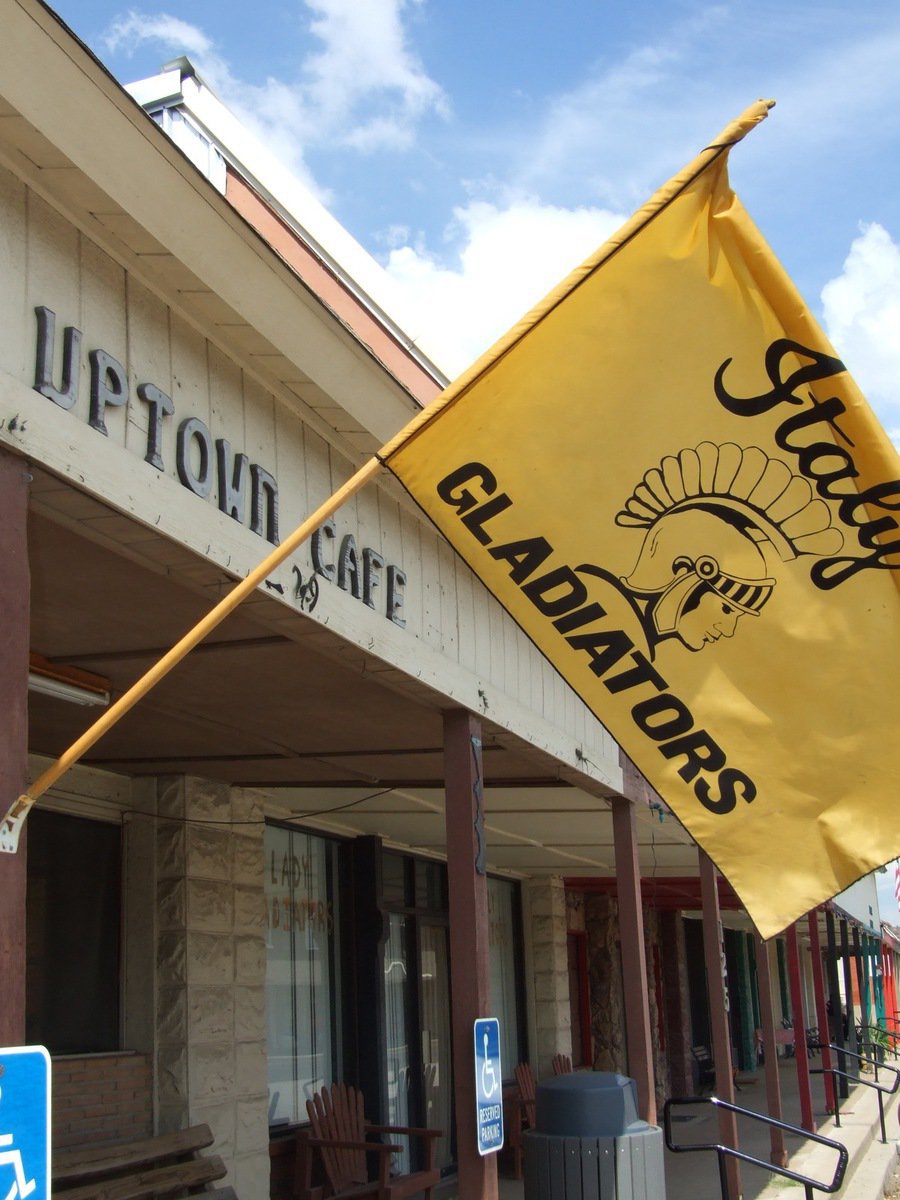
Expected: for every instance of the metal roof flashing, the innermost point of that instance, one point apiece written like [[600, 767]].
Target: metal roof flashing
[[158, 91]]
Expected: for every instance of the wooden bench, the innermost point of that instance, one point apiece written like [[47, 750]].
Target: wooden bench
[[168, 1164], [706, 1071]]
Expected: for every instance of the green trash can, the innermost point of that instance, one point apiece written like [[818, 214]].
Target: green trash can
[[589, 1142]]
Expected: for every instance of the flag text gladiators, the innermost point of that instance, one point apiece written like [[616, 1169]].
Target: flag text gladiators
[[585, 628]]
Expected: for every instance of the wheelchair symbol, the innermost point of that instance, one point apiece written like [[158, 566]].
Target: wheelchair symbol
[[21, 1187], [487, 1073]]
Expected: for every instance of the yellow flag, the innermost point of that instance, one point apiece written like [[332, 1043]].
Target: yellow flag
[[668, 479]]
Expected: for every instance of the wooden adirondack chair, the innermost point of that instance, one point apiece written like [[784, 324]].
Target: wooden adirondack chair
[[522, 1115], [340, 1135], [525, 1080], [562, 1064]]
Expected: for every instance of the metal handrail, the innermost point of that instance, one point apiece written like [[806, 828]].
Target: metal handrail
[[724, 1151], [863, 1037], [857, 1078]]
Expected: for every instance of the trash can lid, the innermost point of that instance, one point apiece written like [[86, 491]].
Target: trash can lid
[[587, 1104]]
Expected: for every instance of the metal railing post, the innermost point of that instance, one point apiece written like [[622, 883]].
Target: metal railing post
[[872, 1083], [725, 1152]]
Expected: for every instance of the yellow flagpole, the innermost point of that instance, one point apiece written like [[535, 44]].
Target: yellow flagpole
[[11, 824]]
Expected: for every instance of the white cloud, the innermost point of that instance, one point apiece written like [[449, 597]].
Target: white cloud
[[510, 258], [625, 126], [365, 88], [621, 130], [366, 54], [862, 316], [170, 31]]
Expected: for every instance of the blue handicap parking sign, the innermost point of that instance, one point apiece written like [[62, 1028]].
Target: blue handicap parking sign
[[24, 1123], [488, 1085]]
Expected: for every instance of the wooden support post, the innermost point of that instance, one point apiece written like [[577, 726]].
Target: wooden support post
[[714, 955], [877, 980], [634, 957], [862, 979], [469, 933], [15, 601], [834, 996], [778, 1154], [852, 1043], [807, 1120], [815, 945]]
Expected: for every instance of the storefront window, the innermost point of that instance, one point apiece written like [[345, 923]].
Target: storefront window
[[74, 898], [302, 984], [502, 913]]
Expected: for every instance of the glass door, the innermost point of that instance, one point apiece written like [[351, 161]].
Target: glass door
[[437, 1061], [397, 1005], [417, 1011]]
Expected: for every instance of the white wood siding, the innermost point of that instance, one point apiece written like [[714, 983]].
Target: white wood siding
[[457, 640]]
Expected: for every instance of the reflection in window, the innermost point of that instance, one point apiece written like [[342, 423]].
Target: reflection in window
[[396, 1005], [504, 990], [302, 985], [72, 930], [437, 1059]]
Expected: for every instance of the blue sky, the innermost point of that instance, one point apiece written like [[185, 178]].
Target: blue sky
[[480, 150]]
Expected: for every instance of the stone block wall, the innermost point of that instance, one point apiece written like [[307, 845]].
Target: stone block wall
[[601, 922], [666, 990], [676, 1003], [550, 1015], [657, 1004], [211, 969]]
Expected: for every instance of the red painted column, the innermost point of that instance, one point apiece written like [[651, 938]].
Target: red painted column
[[14, 605], [778, 1154], [807, 1120], [890, 991], [634, 957], [470, 981], [815, 945], [714, 955]]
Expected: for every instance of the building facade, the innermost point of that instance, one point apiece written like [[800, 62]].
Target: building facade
[[241, 891], [252, 884]]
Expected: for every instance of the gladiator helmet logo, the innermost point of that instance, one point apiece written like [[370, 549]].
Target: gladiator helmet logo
[[708, 514]]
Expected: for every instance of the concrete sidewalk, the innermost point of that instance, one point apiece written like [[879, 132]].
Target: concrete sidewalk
[[695, 1176], [872, 1162]]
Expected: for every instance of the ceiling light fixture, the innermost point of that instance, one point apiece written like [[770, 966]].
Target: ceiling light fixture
[[66, 683]]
